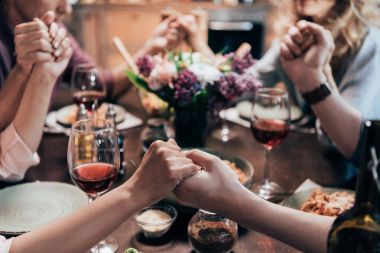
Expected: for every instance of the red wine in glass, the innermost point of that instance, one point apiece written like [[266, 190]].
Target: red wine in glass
[[91, 99], [269, 125], [269, 132], [94, 178]]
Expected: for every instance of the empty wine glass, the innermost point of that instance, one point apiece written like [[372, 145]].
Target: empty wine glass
[[93, 159], [87, 87], [270, 122]]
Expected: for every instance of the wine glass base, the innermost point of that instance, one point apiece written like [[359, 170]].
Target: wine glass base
[[107, 245], [223, 134], [269, 190]]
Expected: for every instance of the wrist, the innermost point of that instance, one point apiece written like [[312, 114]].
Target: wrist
[[132, 195], [23, 70], [311, 80], [46, 75]]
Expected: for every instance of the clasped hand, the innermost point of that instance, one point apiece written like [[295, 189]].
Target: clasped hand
[[198, 179], [43, 43]]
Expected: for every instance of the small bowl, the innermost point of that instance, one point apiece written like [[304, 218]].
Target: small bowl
[[150, 224]]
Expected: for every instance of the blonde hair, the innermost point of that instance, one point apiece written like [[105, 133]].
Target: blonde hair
[[347, 21]]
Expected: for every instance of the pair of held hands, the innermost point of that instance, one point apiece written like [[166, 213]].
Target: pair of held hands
[[198, 179], [42, 44], [173, 30], [306, 52]]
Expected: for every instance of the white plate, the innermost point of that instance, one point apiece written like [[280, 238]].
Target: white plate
[[26, 207], [245, 109], [129, 121], [65, 114]]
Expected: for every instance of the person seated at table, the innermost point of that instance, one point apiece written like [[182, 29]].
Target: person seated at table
[[238, 203], [348, 69], [162, 168], [15, 12], [37, 68]]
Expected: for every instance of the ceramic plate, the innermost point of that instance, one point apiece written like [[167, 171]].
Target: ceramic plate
[[240, 162], [66, 115], [29, 206], [245, 110], [296, 200]]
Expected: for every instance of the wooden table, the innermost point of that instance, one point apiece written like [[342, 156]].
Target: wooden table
[[301, 156]]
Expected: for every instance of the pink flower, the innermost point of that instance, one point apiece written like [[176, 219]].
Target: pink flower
[[163, 73]]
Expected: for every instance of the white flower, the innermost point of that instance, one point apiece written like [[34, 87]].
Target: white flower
[[163, 73], [206, 73]]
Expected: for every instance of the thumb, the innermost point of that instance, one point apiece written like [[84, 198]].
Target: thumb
[[201, 158], [48, 18]]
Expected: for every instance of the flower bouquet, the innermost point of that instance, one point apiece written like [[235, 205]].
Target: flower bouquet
[[193, 85]]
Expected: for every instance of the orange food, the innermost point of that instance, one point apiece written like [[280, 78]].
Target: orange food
[[239, 173], [328, 204]]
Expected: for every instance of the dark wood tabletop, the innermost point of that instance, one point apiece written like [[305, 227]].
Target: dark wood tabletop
[[299, 157]]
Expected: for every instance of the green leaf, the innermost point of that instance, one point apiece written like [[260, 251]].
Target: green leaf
[[137, 81], [131, 250], [199, 97], [224, 50]]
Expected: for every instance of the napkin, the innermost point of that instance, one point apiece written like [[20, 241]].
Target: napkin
[[306, 185]]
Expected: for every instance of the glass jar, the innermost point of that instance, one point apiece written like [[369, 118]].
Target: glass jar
[[156, 129], [210, 232]]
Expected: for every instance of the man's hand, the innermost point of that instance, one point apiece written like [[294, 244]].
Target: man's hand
[[162, 168], [305, 66], [32, 44]]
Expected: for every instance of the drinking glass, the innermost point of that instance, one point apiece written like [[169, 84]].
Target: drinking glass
[[93, 159], [270, 120], [87, 88]]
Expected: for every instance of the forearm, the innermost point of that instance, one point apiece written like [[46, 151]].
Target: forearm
[[147, 48], [306, 232], [11, 94], [198, 45], [342, 124], [120, 81], [31, 113], [82, 230]]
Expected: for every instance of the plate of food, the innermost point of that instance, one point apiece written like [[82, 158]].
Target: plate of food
[[28, 206], [68, 114], [322, 201], [245, 109], [242, 168]]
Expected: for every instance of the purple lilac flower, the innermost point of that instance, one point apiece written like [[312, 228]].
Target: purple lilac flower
[[145, 65], [246, 82], [233, 85], [239, 65], [185, 86], [227, 85]]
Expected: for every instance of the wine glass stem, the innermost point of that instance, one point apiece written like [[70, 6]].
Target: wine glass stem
[[91, 198], [266, 178]]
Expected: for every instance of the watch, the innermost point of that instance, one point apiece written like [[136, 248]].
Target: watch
[[317, 95]]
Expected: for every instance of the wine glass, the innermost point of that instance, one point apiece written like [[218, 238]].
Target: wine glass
[[270, 120], [87, 87], [93, 159]]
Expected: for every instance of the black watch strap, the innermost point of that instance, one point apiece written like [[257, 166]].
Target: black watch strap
[[317, 95]]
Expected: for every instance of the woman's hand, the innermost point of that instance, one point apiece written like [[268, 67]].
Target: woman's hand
[[215, 188], [306, 66], [162, 168]]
